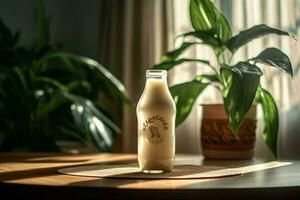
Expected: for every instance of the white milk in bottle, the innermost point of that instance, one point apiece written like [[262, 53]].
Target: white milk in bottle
[[156, 113]]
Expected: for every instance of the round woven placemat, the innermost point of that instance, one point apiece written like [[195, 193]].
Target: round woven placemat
[[132, 171]]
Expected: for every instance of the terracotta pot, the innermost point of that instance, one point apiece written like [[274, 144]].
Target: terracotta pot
[[217, 139]]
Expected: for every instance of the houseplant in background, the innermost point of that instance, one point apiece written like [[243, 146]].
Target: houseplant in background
[[228, 130], [48, 94]]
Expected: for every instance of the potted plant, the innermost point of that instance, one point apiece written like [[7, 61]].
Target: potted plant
[[228, 130], [49, 95]]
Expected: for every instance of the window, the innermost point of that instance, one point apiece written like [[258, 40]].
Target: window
[[284, 14]]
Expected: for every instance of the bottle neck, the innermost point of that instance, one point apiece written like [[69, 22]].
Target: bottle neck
[[156, 81], [159, 75], [156, 86], [156, 78]]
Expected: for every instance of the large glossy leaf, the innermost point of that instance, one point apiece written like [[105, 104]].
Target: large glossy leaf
[[45, 83], [89, 105], [172, 55], [50, 81], [85, 113], [202, 15], [100, 133], [75, 85], [170, 64], [109, 78], [185, 95], [224, 31], [206, 17], [240, 85], [45, 108], [35, 94], [72, 133], [7, 38], [271, 121], [205, 37], [20, 77], [90, 119], [276, 58], [207, 77], [250, 34]]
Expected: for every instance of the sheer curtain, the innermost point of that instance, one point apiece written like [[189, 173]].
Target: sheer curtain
[[132, 37], [284, 14], [144, 36]]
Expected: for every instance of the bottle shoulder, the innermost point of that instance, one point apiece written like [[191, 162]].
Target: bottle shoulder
[[156, 103], [156, 95]]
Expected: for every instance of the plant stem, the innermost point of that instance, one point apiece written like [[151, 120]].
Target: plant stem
[[223, 57], [215, 86], [220, 64], [213, 68], [230, 59]]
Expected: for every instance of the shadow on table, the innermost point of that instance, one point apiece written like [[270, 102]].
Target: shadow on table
[[108, 182], [50, 171], [34, 157]]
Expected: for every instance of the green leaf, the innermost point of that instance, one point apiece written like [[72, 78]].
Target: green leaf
[[7, 38], [45, 108], [185, 95], [71, 133], [209, 77], [108, 77], [223, 28], [93, 65], [89, 105], [61, 62], [172, 55], [20, 76], [101, 134], [78, 85], [271, 119], [240, 85], [202, 15], [50, 81], [250, 34], [205, 37], [91, 119], [170, 64], [276, 58], [207, 18], [5, 32], [85, 113]]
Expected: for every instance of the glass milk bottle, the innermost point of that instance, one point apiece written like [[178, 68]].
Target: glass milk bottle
[[156, 113]]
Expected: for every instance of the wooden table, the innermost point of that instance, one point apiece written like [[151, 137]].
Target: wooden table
[[35, 176]]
